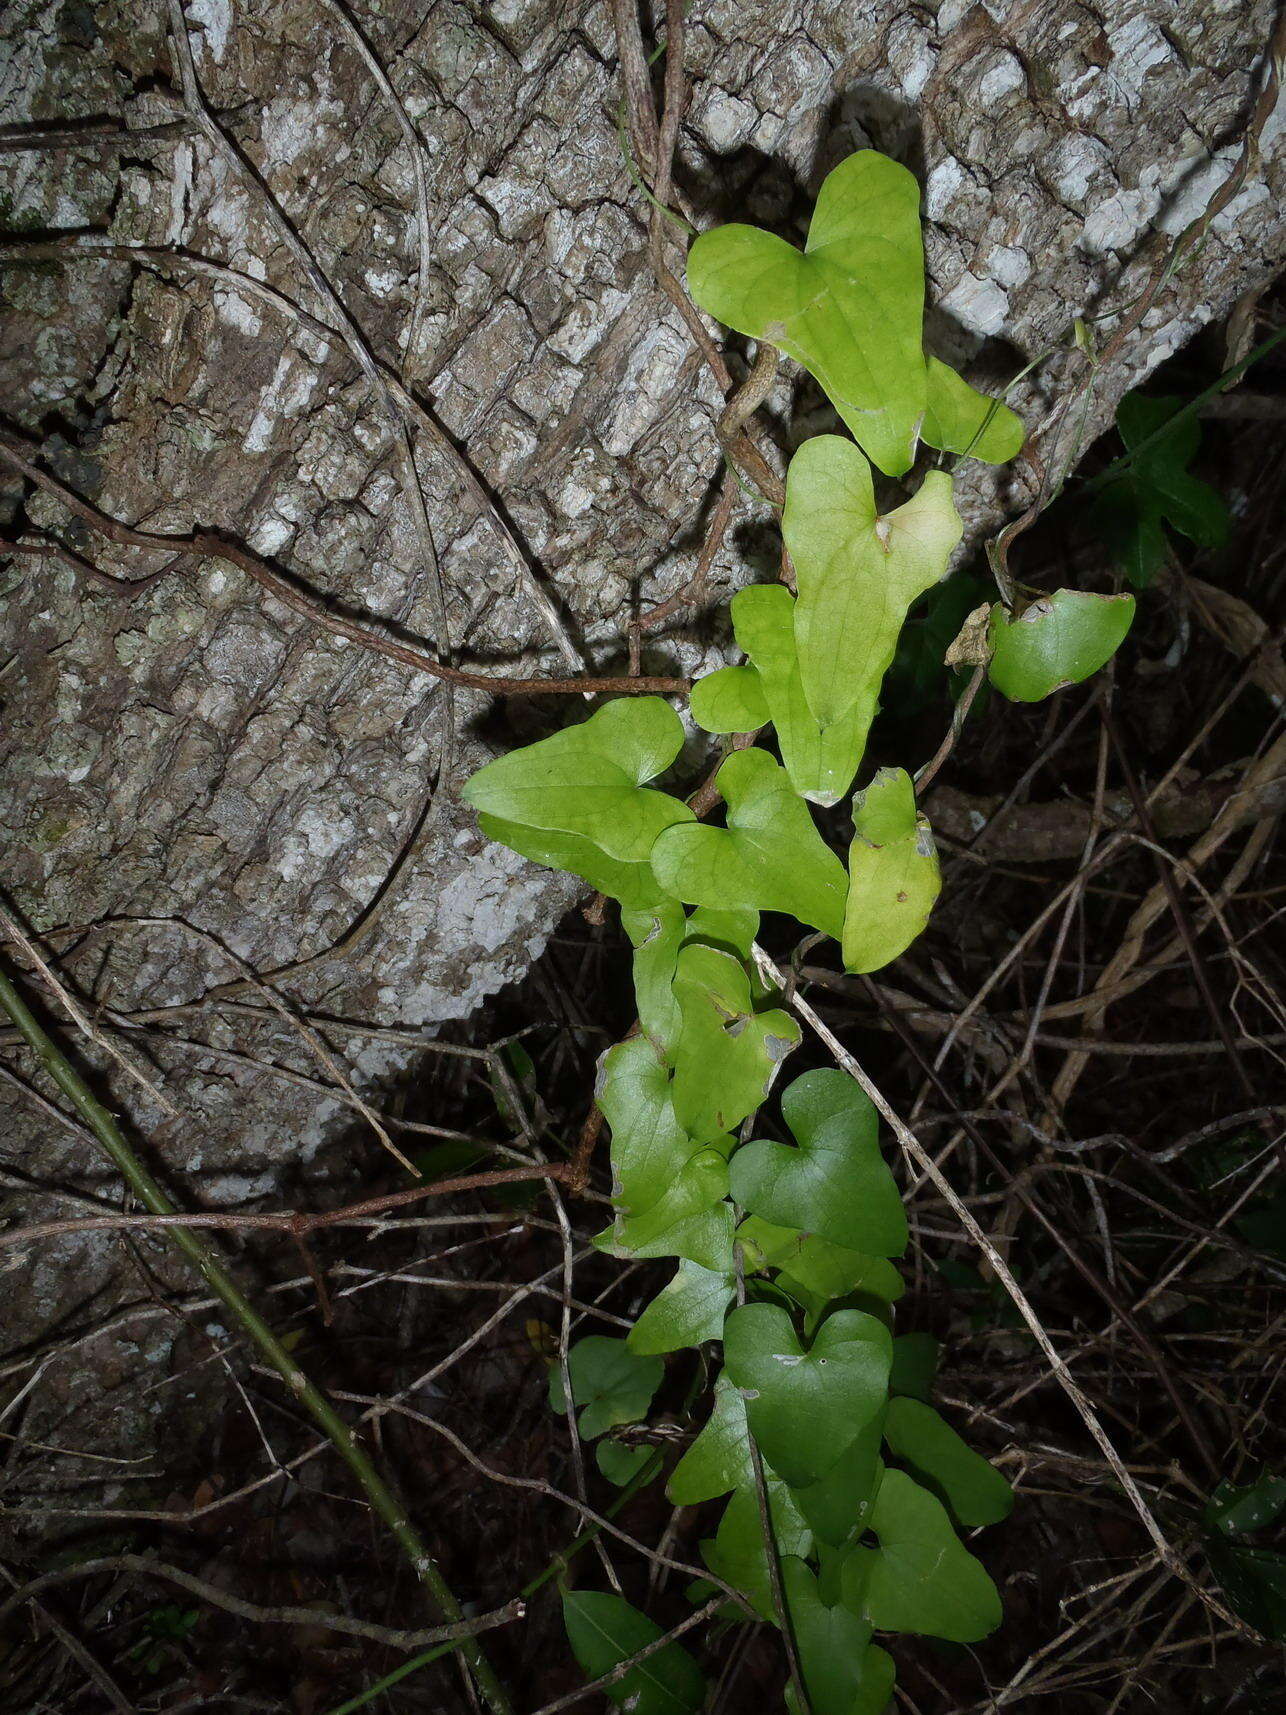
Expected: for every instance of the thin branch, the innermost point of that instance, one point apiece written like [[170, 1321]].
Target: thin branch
[[213, 545], [114, 1144], [1071, 1387], [390, 1636]]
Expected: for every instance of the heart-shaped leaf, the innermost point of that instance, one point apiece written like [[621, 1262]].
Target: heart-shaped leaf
[[850, 308], [621, 1464], [922, 1579], [836, 1182], [719, 1459], [576, 800], [1058, 640], [687, 1312], [822, 1269], [821, 762], [843, 1672], [959, 419], [858, 573], [974, 1490], [835, 1387], [836, 1507], [893, 875], [770, 857], [737, 1552], [649, 1146], [731, 699], [604, 1630], [613, 1384], [728, 1054], [689, 1219]]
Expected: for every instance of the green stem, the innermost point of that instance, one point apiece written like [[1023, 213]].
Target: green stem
[[104, 1126], [641, 1478]]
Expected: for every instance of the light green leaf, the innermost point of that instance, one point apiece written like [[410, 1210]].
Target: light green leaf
[[974, 1490], [959, 419], [858, 573], [632, 883], [837, 1505], [612, 1383], [604, 1630], [922, 1579], [843, 1672], [656, 936], [649, 1146], [1058, 640], [836, 1182], [689, 1219], [719, 1459], [737, 1552], [686, 1312], [728, 1054], [819, 1267], [770, 857], [849, 308], [821, 763], [620, 1464], [836, 1387], [729, 700], [730, 930], [577, 801], [588, 779], [893, 875]]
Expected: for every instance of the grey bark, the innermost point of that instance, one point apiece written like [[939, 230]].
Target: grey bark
[[202, 754]]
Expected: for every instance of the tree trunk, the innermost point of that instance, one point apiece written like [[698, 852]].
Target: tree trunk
[[201, 753]]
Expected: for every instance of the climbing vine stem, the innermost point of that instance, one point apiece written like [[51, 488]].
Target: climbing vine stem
[[843, 1491]]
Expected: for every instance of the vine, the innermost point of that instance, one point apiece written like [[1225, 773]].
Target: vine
[[845, 1489]]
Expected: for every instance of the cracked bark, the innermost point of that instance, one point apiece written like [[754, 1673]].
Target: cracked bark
[[200, 752]]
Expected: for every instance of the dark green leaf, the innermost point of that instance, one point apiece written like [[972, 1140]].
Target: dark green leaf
[[719, 1459], [620, 1464], [974, 1490], [604, 1630], [837, 1505], [1157, 490], [915, 1363], [737, 1552], [611, 1383], [835, 1183], [836, 1387], [922, 1579], [844, 1673]]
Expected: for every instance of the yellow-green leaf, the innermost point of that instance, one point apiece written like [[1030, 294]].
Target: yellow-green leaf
[[893, 875], [858, 572]]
